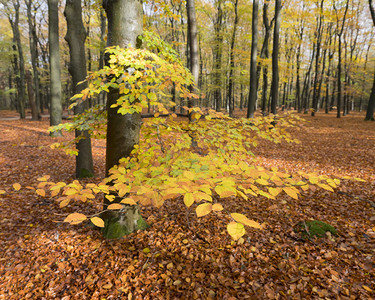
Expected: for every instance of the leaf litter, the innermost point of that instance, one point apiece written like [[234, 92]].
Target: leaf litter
[[180, 255]]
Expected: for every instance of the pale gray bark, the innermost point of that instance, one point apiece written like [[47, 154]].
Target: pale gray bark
[[75, 37], [55, 71]]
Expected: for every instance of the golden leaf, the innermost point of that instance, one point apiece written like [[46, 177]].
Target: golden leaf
[[129, 201], [64, 202], [292, 192], [188, 199], [17, 186], [325, 186], [41, 192], [97, 221], [217, 207], [203, 209], [115, 206], [236, 230], [2, 192], [244, 220], [75, 218]]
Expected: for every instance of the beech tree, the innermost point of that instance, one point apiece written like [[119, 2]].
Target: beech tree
[[371, 101], [54, 60], [75, 37]]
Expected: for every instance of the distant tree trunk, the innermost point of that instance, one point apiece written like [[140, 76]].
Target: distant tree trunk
[[218, 47], [75, 36], [253, 62], [20, 62], [339, 63], [318, 36], [193, 46], [125, 22], [34, 54], [55, 71], [231, 64], [371, 100], [103, 27], [30, 93], [275, 59]]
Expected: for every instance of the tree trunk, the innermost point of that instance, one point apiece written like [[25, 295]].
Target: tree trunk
[[218, 47], [371, 100], [75, 36], [20, 63], [30, 93], [34, 55], [193, 46], [253, 62], [55, 71], [124, 26], [231, 63], [275, 59]]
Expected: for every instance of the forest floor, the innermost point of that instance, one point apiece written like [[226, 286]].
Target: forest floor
[[181, 256]]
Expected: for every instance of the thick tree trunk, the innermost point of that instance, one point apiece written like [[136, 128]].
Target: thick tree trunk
[[275, 59], [124, 26], [55, 71], [253, 62], [371, 101], [75, 37]]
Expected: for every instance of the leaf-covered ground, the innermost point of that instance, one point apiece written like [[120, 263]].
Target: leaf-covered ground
[[180, 256]]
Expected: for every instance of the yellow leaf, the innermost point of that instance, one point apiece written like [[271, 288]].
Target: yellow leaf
[[367, 288], [239, 193], [225, 191], [70, 192], [17, 186], [115, 206], [189, 175], [325, 186], [188, 199], [274, 191], [2, 192], [360, 179], [44, 178], [110, 197], [75, 218], [156, 115], [236, 230], [217, 207], [203, 209], [129, 201], [97, 221], [262, 181], [198, 196], [244, 220], [41, 192], [314, 180], [64, 202], [123, 189], [292, 192]]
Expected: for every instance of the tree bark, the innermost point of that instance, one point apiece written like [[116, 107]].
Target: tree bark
[[34, 56], [371, 100], [30, 93], [125, 24], [218, 47], [55, 71], [253, 62], [275, 58], [231, 63], [75, 36]]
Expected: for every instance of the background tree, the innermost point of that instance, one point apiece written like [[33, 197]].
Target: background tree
[[75, 37], [371, 101]]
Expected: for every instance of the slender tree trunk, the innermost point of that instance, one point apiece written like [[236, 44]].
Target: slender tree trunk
[[253, 62], [75, 36], [34, 55], [218, 47], [231, 64], [275, 59], [55, 71], [125, 22], [193, 46], [30, 93]]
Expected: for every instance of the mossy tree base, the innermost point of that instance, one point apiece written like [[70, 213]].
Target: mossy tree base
[[122, 222], [314, 228]]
